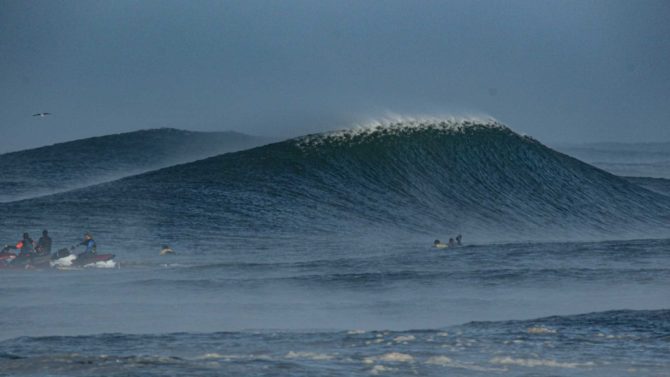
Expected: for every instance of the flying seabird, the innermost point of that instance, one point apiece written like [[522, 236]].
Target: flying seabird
[[42, 115]]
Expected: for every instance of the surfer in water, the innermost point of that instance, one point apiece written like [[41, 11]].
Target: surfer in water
[[166, 250], [439, 244]]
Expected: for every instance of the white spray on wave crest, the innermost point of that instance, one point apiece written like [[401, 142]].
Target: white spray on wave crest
[[397, 123]]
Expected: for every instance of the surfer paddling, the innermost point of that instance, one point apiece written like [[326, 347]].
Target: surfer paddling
[[166, 250]]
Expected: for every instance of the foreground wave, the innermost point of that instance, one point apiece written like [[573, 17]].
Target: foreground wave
[[613, 343]]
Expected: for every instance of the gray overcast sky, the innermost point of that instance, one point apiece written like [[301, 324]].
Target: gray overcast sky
[[556, 70]]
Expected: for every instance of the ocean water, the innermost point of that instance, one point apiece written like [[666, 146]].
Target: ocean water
[[625, 159], [313, 257], [81, 163]]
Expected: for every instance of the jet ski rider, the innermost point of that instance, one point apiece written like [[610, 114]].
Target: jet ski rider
[[44, 244], [89, 242], [26, 246]]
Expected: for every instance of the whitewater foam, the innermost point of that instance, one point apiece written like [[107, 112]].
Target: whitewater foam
[[102, 264], [379, 369], [308, 356], [404, 339], [446, 361], [67, 263], [540, 330], [356, 332], [532, 363], [233, 357], [394, 357], [63, 262]]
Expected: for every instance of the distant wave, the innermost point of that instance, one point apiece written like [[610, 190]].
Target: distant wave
[[641, 323], [86, 162], [631, 322], [424, 176]]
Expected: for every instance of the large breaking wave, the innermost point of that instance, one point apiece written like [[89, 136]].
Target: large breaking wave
[[425, 176]]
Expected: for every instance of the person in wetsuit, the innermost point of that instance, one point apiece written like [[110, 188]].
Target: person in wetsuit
[[89, 243]]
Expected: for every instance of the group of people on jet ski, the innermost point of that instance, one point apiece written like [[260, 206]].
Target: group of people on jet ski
[[27, 246], [30, 251]]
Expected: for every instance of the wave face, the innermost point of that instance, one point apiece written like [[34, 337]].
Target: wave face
[[659, 185], [407, 177], [85, 162]]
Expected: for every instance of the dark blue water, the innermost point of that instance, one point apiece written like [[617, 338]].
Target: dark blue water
[[81, 163], [313, 257]]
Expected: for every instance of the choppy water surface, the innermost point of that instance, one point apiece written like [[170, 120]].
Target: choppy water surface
[[392, 309], [602, 344]]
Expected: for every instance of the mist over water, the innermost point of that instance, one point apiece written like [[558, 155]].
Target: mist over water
[[399, 287], [312, 256]]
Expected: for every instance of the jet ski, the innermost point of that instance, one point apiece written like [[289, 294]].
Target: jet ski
[[6, 258], [64, 258], [61, 259], [11, 261], [40, 261]]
